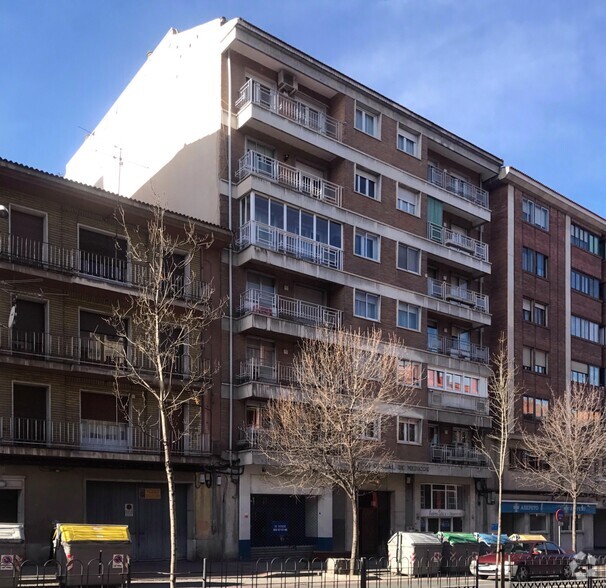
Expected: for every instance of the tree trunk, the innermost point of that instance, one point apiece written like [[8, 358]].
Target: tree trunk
[[353, 499], [170, 482], [574, 523], [499, 545]]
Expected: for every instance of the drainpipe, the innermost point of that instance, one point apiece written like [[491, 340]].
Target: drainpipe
[[230, 263]]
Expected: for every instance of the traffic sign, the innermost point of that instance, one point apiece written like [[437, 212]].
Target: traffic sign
[[559, 515]]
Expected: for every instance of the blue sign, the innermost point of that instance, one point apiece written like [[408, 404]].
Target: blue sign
[[279, 527], [494, 527], [545, 507]]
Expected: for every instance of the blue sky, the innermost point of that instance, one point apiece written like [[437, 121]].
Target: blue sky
[[523, 79]]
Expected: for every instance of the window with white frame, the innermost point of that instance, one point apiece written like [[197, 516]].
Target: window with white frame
[[409, 316], [409, 259], [410, 373], [535, 214], [453, 382], [586, 329], [584, 373], [409, 430], [367, 183], [372, 430], [366, 305], [408, 201], [441, 496], [366, 244], [535, 360], [367, 122], [407, 142], [534, 312], [585, 284]]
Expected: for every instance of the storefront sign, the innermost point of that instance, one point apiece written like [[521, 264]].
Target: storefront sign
[[545, 507]]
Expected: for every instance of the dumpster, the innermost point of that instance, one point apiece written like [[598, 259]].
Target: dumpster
[[91, 555], [12, 552], [414, 554], [458, 549]]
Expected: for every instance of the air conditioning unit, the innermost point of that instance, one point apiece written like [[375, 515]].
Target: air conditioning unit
[[287, 82]]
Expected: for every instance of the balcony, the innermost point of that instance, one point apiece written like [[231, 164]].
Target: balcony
[[90, 265], [456, 240], [455, 347], [459, 401], [249, 437], [457, 186], [88, 435], [280, 241], [253, 92], [290, 309], [458, 294], [87, 350], [456, 453], [256, 370], [275, 171]]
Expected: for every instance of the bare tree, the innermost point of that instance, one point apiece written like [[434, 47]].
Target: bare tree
[[162, 330], [566, 452], [503, 393], [327, 434]]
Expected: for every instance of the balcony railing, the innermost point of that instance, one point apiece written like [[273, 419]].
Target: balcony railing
[[455, 347], [458, 401], [291, 177], [455, 185], [290, 309], [457, 453], [458, 294], [250, 437], [92, 265], [98, 436], [91, 349], [456, 240], [255, 370], [274, 239], [298, 112]]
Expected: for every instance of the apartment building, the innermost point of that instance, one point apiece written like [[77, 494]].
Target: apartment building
[[69, 451], [549, 251], [347, 210]]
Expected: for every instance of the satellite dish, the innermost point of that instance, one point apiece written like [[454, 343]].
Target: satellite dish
[[12, 316]]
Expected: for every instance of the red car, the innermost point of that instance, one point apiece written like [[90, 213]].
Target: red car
[[526, 559]]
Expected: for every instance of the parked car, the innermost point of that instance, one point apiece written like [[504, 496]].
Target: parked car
[[526, 558]]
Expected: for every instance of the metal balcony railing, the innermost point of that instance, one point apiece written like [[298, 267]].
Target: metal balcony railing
[[256, 370], [92, 435], [266, 167], [291, 309], [458, 294], [451, 238], [274, 239], [249, 437], [92, 265], [98, 350], [459, 401], [455, 347], [456, 453], [253, 92], [457, 186]]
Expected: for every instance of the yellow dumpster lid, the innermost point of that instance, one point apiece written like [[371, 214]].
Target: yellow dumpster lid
[[527, 538], [71, 533]]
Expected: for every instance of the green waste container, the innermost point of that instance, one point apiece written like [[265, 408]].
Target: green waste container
[[458, 549], [92, 555]]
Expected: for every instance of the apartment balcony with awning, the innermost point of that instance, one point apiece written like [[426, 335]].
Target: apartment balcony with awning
[[254, 163]]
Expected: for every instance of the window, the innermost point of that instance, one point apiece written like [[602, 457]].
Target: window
[[585, 284], [534, 408], [408, 316], [567, 524], [408, 201], [366, 305], [410, 372], [366, 245], [586, 329], [534, 262], [409, 430], [367, 184], [409, 259], [534, 312], [372, 430], [535, 214], [367, 122], [537, 523], [585, 240], [407, 142], [102, 255], [584, 373], [534, 360], [441, 496], [452, 382]]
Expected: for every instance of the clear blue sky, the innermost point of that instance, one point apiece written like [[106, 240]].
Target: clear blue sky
[[523, 79]]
